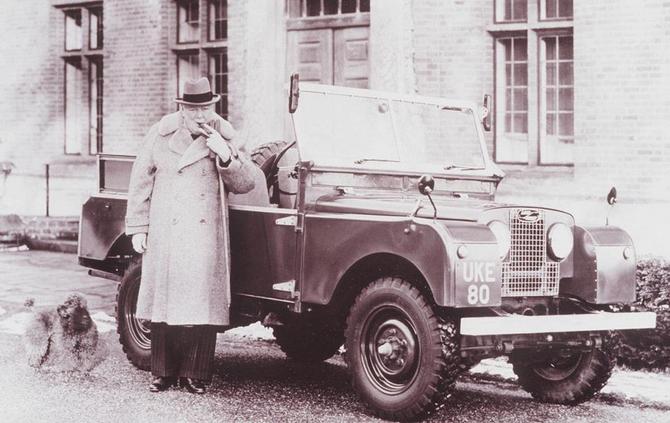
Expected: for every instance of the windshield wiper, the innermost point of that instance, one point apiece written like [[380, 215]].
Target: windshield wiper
[[361, 161], [453, 166]]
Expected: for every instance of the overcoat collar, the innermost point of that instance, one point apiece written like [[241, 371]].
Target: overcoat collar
[[180, 140]]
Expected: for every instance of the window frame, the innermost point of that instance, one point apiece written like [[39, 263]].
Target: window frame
[[84, 57], [541, 9], [534, 29], [178, 4]]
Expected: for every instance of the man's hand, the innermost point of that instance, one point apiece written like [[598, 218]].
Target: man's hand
[[217, 144], [140, 242]]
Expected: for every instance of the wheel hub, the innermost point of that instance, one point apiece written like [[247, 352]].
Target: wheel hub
[[392, 351]]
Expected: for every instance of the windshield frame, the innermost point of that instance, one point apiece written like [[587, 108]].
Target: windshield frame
[[488, 168]]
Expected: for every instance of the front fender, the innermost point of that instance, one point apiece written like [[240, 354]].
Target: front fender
[[335, 242], [603, 273]]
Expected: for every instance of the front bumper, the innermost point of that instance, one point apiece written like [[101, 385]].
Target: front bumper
[[515, 324]]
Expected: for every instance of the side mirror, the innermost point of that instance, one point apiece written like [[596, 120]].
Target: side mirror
[[611, 196], [294, 93], [486, 112], [426, 184]]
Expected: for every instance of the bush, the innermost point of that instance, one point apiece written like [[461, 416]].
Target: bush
[[649, 349]]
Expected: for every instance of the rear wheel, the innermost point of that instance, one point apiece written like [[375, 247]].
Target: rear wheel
[[402, 356], [564, 378], [134, 333]]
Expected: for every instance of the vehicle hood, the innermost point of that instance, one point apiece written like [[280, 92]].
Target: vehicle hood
[[402, 205]]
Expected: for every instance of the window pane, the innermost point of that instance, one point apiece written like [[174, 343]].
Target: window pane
[[313, 7], [95, 28], [508, 99], [508, 75], [565, 8], [348, 6], [508, 10], [565, 73], [520, 74], [508, 122], [551, 124], [188, 67], [507, 45], [565, 124], [330, 7], [551, 73], [565, 100], [218, 68], [550, 8], [189, 23], [365, 5], [73, 34], [520, 49], [95, 106], [520, 10], [551, 99], [73, 106], [550, 46], [521, 99], [218, 20], [565, 48], [521, 123]]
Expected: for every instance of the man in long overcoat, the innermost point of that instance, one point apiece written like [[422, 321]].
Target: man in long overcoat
[[177, 216]]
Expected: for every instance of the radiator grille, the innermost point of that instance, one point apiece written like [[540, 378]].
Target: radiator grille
[[527, 272]]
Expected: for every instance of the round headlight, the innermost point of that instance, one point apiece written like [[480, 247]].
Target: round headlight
[[503, 237], [559, 241]]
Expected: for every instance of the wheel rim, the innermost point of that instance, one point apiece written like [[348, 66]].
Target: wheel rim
[[559, 367], [390, 350], [138, 329]]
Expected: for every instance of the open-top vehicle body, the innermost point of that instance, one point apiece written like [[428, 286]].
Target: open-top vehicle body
[[382, 234]]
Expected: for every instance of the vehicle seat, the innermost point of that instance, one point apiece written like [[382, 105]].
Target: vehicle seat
[[258, 196], [287, 178]]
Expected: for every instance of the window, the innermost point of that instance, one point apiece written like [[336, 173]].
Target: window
[[218, 71], [188, 24], [511, 10], [555, 9], [513, 88], [557, 99], [200, 45], [218, 20], [83, 79], [95, 109], [315, 8], [534, 83], [73, 105], [95, 28], [73, 37], [188, 67]]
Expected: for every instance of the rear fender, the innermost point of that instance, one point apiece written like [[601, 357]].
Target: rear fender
[[102, 228]]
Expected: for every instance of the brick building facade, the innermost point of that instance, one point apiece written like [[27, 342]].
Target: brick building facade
[[579, 86]]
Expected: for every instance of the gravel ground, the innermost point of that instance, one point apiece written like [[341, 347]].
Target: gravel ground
[[254, 382]]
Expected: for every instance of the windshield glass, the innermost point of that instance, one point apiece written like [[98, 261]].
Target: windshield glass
[[338, 129]]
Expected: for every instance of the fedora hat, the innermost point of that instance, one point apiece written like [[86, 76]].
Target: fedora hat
[[197, 92]]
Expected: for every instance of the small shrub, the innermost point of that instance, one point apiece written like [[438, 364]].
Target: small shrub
[[649, 349]]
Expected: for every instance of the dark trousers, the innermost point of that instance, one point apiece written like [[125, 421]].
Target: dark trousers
[[182, 351]]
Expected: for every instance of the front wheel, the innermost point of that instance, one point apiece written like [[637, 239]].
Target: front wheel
[[402, 356], [568, 379], [134, 333]]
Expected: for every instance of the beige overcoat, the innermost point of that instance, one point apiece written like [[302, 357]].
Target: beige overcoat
[[174, 197]]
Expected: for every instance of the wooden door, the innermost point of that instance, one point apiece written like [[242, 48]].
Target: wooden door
[[336, 56]]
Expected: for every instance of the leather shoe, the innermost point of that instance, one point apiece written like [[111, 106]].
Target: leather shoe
[[161, 383], [194, 386]]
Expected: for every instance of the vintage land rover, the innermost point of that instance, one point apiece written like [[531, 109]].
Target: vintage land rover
[[382, 234]]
